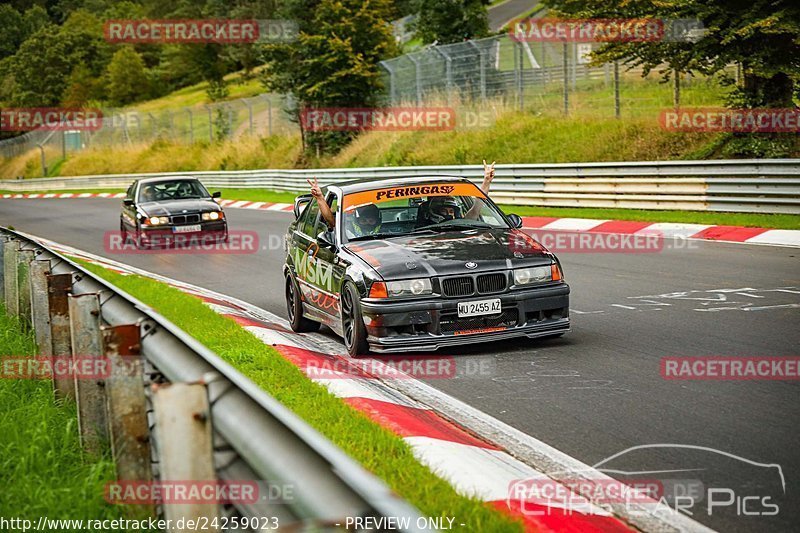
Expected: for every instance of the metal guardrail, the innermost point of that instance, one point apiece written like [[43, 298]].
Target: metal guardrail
[[746, 185], [180, 393]]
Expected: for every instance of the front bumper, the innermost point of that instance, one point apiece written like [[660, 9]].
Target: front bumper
[[210, 231], [432, 323]]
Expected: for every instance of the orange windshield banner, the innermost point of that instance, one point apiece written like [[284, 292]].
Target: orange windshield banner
[[410, 191]]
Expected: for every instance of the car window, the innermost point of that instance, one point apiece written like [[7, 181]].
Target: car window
[[129, 193], [309, 219], [172, 190]]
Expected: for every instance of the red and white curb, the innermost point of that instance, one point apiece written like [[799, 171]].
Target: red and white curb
[[237, 204], [476, 466], [695, 232]]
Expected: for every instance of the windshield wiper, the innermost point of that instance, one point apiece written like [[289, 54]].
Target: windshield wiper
[[457, 226], [374, 236]]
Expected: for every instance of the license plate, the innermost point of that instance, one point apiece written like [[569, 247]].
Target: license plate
[[186, 229], [479, 307]]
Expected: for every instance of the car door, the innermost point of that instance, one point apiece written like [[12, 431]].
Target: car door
[[129, 211], [329, 268], [314, 268]]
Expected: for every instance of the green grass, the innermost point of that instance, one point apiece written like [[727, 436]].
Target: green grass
[[380, 451], [196, 95], [43, 471]]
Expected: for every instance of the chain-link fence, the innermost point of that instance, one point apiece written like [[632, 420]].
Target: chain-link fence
[[261, 115], [539, 76]]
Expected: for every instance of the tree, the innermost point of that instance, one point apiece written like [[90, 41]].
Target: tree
[[127, 78], [44, 62], [451, 21], [12, 34], [335, 60], [761, 35]]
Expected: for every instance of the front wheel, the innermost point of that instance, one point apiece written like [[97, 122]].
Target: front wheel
[[353, 330], [294, 308]]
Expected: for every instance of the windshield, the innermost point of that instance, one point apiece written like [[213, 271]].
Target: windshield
[[172, 190], [433, 207]]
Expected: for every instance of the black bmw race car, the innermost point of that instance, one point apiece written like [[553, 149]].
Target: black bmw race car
[[171, 211], [416, 264]]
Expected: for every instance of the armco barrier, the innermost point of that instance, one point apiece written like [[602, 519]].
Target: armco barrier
[[207, 419], [747, 185]]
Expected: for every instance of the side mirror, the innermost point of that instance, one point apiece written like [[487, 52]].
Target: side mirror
[[127, 201], [516, 220], [216, 194], [299, 203], [326, 240]]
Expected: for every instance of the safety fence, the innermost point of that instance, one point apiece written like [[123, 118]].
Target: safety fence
[[744, 185], [543, 77], [175, 412], [258, 116]]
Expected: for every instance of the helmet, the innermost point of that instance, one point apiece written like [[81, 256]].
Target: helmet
[[443, 208], [368, 216]]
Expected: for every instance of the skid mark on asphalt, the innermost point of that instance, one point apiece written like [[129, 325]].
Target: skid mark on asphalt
[[547, 376], [710, 300]]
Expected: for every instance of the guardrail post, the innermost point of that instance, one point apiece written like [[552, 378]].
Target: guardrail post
[[185, 445], [24, 259], [10, 252], [269, 117], [616, 90], [191, 125], [3, 241], [127, 404], [58, 288], [40, 314], [87, 345], [565, 73]]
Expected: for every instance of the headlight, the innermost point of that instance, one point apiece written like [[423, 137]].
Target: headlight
[[155, 221], [212, 215], [531, 275], [408, 287]]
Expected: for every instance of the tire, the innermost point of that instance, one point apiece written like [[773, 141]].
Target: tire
[[122, 233], [137, 239], [354, 332], [294, 308]]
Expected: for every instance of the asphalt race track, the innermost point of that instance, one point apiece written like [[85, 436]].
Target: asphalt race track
[[598, 390]]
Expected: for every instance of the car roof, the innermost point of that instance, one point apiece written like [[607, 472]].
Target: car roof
[[170, 178], [368, 184]]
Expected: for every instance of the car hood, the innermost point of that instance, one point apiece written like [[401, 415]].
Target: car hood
[[177, 207], [444, 254]]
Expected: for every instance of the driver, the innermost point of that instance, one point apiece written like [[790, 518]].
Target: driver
[[148, 193], [442, 209]]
